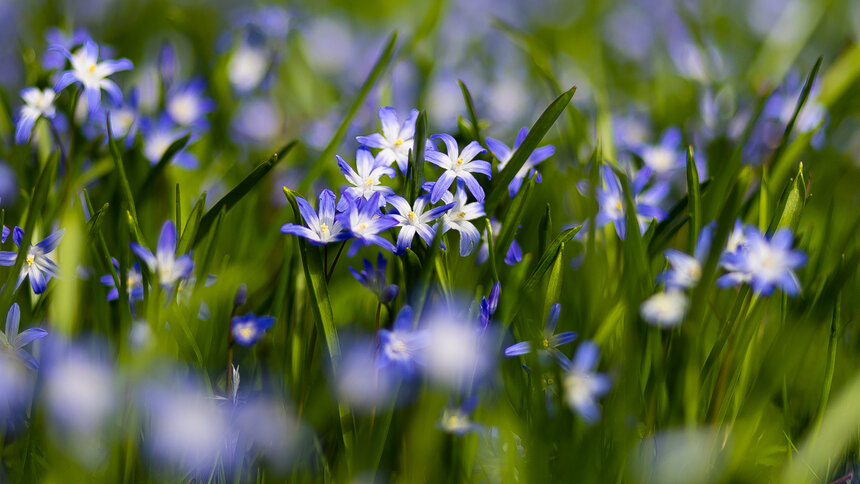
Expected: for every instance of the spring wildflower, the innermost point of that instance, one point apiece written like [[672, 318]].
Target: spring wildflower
[[164, 264], [731, 256], [134, 283], [248, 66], [38, 266], [489, 306], [91, 74], [396, 138], [38, 103], [765, 263], [12, 342], [402, 347], [80, 392], [187, 105], [458, 350], [459, 217], [457, 165], [249, 328], [458, 420], [360, 380], [414, 219], [321, 229], [549, 342], [375, 280], [366, 181], [503, 153], [645, 202], [52, 59], [582, 385], [364, 223], [685, 270], [512, 256], [665, 309], [158, 135]]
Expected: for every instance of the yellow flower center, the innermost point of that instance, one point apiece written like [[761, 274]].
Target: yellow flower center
[[398, 142], [323, 228], [545, 343], [462, 214], [247, 332], [92, 68], [411, 215], [31, 259], [362, 226], [619, 206], [459, 161], [368, 182]]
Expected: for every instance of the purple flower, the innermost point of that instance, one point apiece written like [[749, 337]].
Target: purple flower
[[402, 347], [611, 200], [764, 262], [187, 105], [364, 223], [504, 154], [549, 342], [396, 138], [414, 219], [457, 165], [13, 342], [459, 217], [164, 264], [91, 74], [134, 283], [321, 229], [375, 280], [249, 328], [37, 265]]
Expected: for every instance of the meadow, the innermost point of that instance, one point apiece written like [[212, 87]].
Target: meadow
[[442, 241]]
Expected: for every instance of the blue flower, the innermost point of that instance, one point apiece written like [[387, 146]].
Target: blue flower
[[402, 347], [91, 74], [13, 342], [134, 283], [164, 264], [489, 306], [54, 60], [611, 201], [158, 135], [504, 154], [457, 165], [764, 263], [457, 420], [665, 309], [414, 219], [323, 229], [364, 223], [685, 270], [459, 217], [188, 106], [38, 103], [512, 256], [668, 158], [375, 280], [37, 266], [249, 328], [366, 181], [582, 385], [549, 342], [396, 138]]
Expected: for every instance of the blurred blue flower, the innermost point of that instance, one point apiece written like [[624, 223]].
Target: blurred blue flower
[[503, 153], [489, 306], [582, 385], [460, 351], [685, 270], [134, 283], [38, 103], [52, 59], [375, 280], [249, 328], [364, 223], [187, 105], [366, 181], [91, 74], [395, 142], [413, 219], [164, 264], [402, 346], [158, 135], [665, 309], [514, 253], [37, 265], [550, 341], [248, 65], [611, 200], [459, 216], [360, 380], [12, 342], [80, 392], [764, 262], [458, 420], [258, 121], [323, 229], [457, 165]]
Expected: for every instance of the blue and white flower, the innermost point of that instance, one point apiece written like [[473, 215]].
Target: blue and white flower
[[367, 180], [321, 229], [375, 280], [414, 219], [665, 309], [12, 342], [685, 270], [168, 268], [549, 342], [38, 266], [38, 103], [364, 223], [402, 347], [460, 215], [457, 165], [249, 328], [503, 153], [645, 202], [765, 263], [158, 135], [187, 105], [582, 385], [396, 139], [91, 74]]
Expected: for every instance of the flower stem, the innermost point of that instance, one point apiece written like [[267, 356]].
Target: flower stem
[[334, 264]]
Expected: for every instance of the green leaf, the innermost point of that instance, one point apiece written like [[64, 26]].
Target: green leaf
[[325, 158], [790, 204], [236, 194], [695, 199], [677, 217], [553, 286], [491, 249], [146, 187], [473, 116], [125, 187], [636, 271], [499, 188], [514, 215], [549, 255], [544, 230], [38, 199], [209, 253], [189, 233]]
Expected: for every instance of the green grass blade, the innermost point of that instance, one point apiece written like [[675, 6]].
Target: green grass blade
[[189, 233], [416, 161], [791, 203], [236, 194], [326, 158], [125, 187], [473, 116], [514, 215], [695, 199], [499, 188], [544, 230], [549, 255], [146, 187], [553, 286]]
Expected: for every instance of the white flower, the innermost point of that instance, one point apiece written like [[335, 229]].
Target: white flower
[[665, 309]]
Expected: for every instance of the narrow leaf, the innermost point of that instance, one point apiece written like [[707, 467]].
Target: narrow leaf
[[549, 256], [473, 116], [695, 199], [146, 187]]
